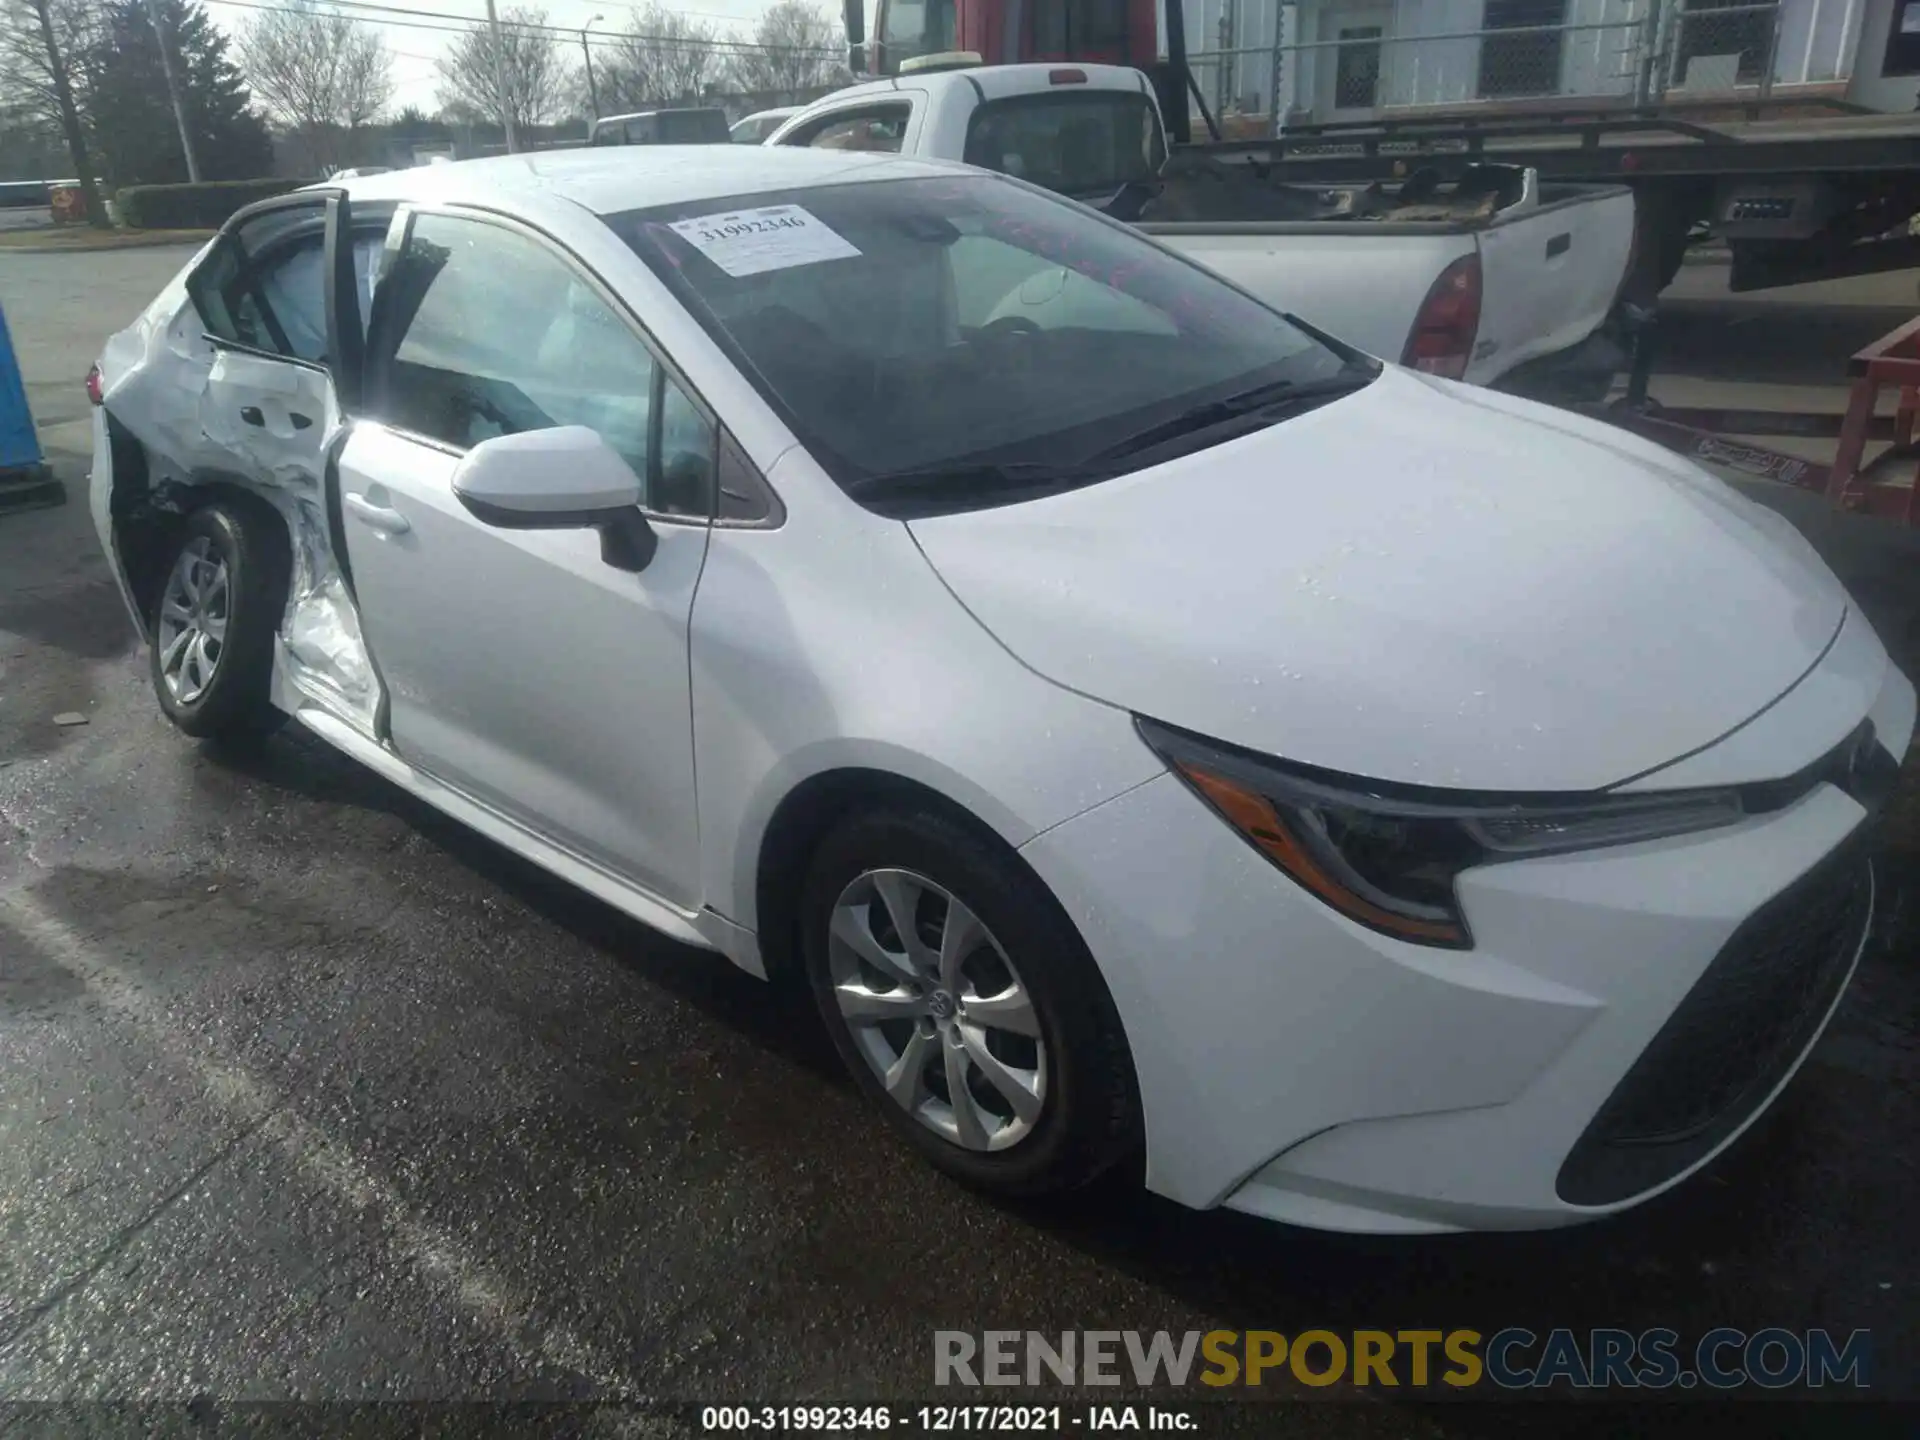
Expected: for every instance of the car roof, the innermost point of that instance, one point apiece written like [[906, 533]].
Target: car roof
[[663, 110], [994, 82], [614, 178]]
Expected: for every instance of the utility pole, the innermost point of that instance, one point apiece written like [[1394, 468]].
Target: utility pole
[[1224, 77], [1649, 40], [593, 92], [70, 118], [500, 80], [173, 94]]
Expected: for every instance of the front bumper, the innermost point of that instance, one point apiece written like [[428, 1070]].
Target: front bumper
[[1295, 1065]]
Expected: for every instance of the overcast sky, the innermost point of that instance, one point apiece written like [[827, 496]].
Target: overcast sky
[[415, 50]]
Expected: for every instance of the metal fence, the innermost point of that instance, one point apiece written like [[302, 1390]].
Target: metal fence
[[1352, 70], [1721, 47]]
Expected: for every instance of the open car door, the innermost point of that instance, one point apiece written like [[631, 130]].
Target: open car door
[[283, 293]]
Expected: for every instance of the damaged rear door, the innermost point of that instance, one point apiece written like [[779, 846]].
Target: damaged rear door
[[283, 294]]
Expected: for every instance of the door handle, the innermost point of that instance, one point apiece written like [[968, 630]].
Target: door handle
[[376, 517]]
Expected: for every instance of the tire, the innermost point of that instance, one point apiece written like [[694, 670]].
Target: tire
[[243, 564], [1085, 1119]]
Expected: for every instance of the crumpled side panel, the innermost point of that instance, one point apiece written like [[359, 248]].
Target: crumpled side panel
[[204, 415], [322, 650]]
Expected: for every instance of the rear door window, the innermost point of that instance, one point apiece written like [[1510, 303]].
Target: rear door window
[[1084, 143], [263, 285]]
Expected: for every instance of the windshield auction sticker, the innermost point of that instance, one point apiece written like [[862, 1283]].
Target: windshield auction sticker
[[774, 237]]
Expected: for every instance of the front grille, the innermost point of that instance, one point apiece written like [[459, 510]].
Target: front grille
[[1735, 1034]]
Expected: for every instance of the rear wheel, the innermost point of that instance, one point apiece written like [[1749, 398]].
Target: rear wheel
[[213, 624], [966, 1005]]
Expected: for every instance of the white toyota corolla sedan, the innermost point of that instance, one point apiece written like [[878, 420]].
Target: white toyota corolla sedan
[[1150, 727]]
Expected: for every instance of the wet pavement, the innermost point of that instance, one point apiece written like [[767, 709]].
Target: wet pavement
[[307, 1093]]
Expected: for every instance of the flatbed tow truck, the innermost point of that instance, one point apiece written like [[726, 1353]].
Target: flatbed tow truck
[[1796, 192]]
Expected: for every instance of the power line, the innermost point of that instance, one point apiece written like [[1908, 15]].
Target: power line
[[427, 20]]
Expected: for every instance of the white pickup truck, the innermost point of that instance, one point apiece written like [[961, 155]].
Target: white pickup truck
[[1492, 278]]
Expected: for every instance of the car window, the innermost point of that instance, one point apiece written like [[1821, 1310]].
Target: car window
[[692, 127], [756, 128], [293, 287], [264, 285], [913, 325], [496, 335], [880, 128], [687, 444], [917, 27], [1080, 143]]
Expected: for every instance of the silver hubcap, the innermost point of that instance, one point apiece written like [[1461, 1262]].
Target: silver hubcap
[[937, 1010], [193, 621]]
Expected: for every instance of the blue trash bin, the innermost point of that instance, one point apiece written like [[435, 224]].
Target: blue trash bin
[[24, 477]]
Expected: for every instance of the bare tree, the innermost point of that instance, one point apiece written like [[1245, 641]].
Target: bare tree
[[662, 57], [366, 78], [39, 43], [26, 63], [533, 67], [318, 71], [797, 46]]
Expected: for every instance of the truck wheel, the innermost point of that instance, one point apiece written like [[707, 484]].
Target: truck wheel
[[214, 621], [966, 1005]]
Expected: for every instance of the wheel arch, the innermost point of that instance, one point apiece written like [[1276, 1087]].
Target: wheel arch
[[802, 819], [147, 515], [811, 810]]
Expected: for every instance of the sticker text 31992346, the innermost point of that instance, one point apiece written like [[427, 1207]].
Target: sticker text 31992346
[[772, 237]]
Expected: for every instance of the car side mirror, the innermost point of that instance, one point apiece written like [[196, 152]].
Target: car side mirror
[[566, 478]]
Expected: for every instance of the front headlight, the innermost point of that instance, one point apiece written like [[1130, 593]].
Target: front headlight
[[1387, 855]]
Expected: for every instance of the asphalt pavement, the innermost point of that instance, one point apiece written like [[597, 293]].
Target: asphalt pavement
[[306, 1093]]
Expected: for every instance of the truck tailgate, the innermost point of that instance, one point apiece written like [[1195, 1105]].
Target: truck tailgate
[[1362, 285], [1549, 275]]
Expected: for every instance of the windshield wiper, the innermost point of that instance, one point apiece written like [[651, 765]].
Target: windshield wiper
[[950, 482], [1281, 394]]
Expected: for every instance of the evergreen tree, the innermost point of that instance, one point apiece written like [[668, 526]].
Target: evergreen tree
[[133, 123]]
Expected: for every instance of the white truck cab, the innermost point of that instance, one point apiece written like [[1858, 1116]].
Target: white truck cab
[[1081, 130]]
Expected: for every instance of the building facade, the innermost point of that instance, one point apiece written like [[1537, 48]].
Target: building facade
[[1331, 60]]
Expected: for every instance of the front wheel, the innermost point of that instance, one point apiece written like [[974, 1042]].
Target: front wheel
[[966, 1005]]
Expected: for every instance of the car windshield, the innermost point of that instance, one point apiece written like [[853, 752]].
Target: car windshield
[[972, 328]]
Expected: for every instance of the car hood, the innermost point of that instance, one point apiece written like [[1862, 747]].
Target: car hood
[[1421, 582]]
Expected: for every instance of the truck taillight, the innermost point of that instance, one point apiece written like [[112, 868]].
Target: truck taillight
[[1449, 319], [93, 384], [1066, 77]]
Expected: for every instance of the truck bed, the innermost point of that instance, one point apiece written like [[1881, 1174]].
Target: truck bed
[[1196, 189], [1550, 257]]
